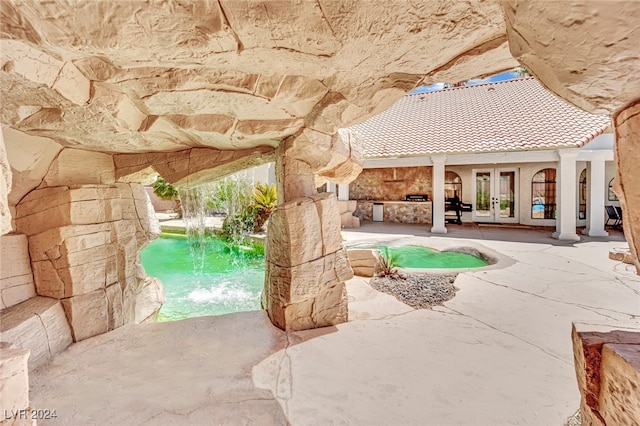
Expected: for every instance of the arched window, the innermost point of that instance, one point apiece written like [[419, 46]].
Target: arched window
[[582, 193], [612, 195], [452, 185], [543, 194]]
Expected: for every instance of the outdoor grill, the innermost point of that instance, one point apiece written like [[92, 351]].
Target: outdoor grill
[[416, 197]]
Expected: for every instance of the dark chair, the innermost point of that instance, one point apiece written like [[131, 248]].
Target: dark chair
[[619, 211], [612, 215]]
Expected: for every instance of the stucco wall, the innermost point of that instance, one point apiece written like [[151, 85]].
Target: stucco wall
[[160, 205], [523, 198]]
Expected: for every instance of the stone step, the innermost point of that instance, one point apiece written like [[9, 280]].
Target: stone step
[[39, 325], [364, 262]]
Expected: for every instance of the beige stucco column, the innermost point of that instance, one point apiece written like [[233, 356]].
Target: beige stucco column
[[438, 227], [306, 264], [566, 196], [343, 192], [595, 195]]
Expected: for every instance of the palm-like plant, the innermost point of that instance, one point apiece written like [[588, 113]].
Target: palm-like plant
[[265, 199], [387, 263]]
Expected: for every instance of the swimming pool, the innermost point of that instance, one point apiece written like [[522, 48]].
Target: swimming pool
[[229, 280], [421, 257]]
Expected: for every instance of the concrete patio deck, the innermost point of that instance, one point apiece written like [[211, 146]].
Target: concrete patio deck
[[499, 353]]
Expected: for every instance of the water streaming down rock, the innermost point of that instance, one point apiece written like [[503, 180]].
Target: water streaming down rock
[[227, 274], [193, 204], [234, 194], [231, 195]]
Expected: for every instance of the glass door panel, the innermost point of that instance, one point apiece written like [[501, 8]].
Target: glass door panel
[[483, 195], [507, 194], [496, 195]]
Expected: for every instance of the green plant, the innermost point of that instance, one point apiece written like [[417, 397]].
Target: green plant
[[165, 191], [265, 199], [239, 223], [387, 263], [522, 72]]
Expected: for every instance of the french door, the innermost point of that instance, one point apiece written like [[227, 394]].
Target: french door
[[495, 195]]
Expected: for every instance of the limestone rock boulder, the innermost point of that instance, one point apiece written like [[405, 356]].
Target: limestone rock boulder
[[193, 166], [16, 278], [87, 314], [364, 262], [228, 75], [76, 166], [304, 230], [311, 158], [592, 76], [149, 300], [627, 128], [622, 255], [84, 242], [619, 399], [30, 158], [14, 379], [607, 362], [306, 266], [302, 282], [39, 325]]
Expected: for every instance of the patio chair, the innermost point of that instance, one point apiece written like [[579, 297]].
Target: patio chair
[[612, 215]]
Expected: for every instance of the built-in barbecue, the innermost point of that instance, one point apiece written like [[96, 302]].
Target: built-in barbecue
[[416, 197]]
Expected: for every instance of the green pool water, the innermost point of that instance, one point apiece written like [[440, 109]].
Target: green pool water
[[424, 257], [228, 282]]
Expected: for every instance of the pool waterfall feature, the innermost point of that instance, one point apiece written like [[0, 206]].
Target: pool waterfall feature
[[204, 273]]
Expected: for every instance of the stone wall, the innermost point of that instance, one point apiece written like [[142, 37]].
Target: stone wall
[[83, 244], [391, 183], [397, 211]]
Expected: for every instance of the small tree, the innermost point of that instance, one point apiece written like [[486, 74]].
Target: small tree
[[165, 191]]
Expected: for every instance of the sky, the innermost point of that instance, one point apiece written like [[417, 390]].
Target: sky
[[503, 76]]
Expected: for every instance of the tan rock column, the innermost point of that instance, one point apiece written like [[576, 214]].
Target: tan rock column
[[627, 128], [5, 188], [83, 245], [306, 264]]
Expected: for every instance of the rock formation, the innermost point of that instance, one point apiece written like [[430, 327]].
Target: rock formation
[[95, 94], [98, 93]]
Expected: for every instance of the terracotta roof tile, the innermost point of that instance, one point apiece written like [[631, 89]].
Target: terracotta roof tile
[[515, 115]]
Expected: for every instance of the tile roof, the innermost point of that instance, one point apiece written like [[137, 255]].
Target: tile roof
[[514, 115]]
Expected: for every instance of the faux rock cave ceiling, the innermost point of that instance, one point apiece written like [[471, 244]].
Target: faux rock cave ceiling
[[238, 78], [132, 76]]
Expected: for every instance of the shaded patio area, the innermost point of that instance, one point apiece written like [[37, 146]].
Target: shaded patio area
[[498, 353]]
